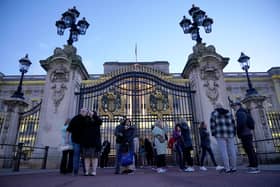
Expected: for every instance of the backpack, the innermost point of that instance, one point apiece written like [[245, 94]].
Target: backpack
[[250, 121]]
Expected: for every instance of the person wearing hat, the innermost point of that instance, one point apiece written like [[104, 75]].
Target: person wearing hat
[[223, 129], [244, 133]]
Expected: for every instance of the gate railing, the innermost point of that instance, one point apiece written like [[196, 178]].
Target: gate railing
[[273, 120], [19, 155], [28, 126], [272, 156]]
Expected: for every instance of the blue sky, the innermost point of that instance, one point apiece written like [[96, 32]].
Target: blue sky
[[28, 26]]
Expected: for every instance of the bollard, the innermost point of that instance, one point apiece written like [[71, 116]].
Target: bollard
[[44, 163], [17, 157]]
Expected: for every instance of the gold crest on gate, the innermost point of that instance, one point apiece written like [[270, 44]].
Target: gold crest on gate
[[111, 104]]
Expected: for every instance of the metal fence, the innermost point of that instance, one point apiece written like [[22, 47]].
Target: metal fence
[[273, 119], [263, 157], [15, 156]]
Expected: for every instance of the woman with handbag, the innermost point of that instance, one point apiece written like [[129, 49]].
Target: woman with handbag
[[66, 165], [160, 141]]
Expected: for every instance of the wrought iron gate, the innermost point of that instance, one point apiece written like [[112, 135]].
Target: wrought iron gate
[[141, 96]]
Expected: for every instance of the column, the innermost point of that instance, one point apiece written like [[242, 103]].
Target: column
[[204, 69], [13, 108], [65, 72], [262, 131]]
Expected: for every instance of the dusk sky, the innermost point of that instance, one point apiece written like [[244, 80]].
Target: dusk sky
[[28, 26]]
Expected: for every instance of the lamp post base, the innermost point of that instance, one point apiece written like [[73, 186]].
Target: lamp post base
[[18, 95], [251, 91]]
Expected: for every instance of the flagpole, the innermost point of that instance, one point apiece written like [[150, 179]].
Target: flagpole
[[136, 53]]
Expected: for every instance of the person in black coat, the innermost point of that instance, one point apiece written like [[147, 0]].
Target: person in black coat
[[75, 128], [119, 133], [105, 150], [206, 147], [185, 131], [246, 136], [91, 142]]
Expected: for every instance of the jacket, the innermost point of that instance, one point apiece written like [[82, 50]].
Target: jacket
[[185, 131], [241, 121], [75, 127], [91, 133], [222, 124], [204, 137]]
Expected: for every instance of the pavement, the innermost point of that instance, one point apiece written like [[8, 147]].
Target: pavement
[[145, 177]]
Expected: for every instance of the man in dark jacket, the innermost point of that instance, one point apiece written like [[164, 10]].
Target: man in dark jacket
[[223, 129], [75, 127], [245, 134], [119, 133]]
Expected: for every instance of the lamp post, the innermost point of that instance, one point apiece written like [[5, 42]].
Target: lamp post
[[68, 20], [24, 65], [245, 65], [199, 18]]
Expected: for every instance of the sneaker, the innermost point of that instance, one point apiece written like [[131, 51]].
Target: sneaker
[[224, 170], [233, 170], [160, 170], [93, 173], [253, 170], [202, 168], [219, 168], [189, 169], [86, 174]]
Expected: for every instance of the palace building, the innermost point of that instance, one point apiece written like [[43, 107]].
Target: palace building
[[142, 91]]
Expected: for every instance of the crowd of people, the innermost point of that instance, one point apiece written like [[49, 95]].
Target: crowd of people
[[82, 143]]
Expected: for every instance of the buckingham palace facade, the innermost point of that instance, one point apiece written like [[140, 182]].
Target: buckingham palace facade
[[142, 91]]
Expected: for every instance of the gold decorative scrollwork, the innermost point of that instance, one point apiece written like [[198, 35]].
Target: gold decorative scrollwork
[[111, 104], [160, 103]]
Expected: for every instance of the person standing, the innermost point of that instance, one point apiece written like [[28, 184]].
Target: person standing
[[106, 147], [119, 133], [91, 142], [160, 145], [149, 151], [206, 147], [66, 165], [179, 145], [75, 127], [244, 133], [224, 130], [128, 144], [187, 146]]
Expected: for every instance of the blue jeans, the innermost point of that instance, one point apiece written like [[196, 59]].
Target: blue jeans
[[76, 157]]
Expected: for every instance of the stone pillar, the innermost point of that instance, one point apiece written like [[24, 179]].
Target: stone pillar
[[13, 108], [204, 69], [262, 131], [65, 72], [275, 76]]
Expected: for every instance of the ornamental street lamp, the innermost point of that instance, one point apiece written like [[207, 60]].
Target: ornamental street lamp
[[23, 68], [68, 20], [199, 18], [245, 65]]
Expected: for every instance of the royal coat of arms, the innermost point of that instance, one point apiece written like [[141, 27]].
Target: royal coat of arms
[[159, 103], [111, 103]]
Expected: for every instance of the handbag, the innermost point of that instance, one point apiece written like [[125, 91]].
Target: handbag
[[127, 159], [66, 147]]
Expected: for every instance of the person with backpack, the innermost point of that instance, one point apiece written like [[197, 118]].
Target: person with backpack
[[245, 125]]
